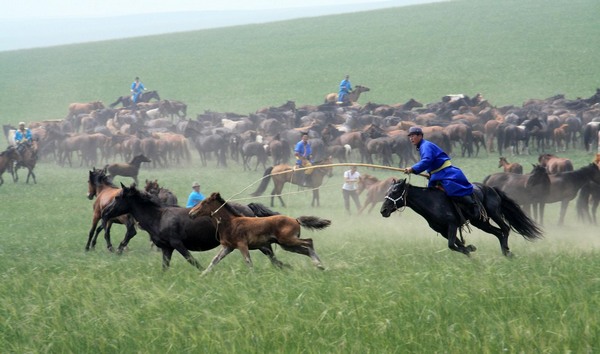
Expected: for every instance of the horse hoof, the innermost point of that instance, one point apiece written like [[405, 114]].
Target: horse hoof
[[471, 248]]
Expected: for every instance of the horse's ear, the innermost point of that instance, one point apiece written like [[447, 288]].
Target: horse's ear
[[122, 185]]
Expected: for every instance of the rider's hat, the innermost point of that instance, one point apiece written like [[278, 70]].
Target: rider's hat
[[195, 184], [415, 130], [21, 123]]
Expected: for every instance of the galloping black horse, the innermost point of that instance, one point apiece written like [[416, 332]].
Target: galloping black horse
[[126, 101], [171, 228], [442, 216]]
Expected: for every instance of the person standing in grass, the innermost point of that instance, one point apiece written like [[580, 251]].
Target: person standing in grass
[[350, 188]]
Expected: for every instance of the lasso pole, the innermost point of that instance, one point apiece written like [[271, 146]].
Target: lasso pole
[[294, 169]]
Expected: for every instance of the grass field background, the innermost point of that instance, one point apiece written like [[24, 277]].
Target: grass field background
[[391, 285]]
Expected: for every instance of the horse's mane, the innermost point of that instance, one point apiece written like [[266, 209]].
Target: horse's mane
[[217, 197], [146, 198]]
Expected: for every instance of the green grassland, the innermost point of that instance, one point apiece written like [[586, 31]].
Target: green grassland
[[391, 285]]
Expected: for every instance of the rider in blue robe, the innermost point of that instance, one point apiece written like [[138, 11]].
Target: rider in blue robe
[[345, 88], [136, 90], [442, 174]]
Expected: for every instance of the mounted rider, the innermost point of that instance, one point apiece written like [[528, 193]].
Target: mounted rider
[[137, 87], [303, 153], [345, 88], [23, 138], [442, 174]]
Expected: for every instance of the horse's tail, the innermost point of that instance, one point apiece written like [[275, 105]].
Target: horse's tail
[[261, 210], [264, 183], [112, 105], [517, 219], [582, 205], [313, 222]]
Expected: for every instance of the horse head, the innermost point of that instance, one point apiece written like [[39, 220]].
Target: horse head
[[208, 206], [395, 198]]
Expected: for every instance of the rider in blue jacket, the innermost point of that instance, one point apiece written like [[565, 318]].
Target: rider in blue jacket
[[136, 90], [345, 88], [442, 174], [22, 137]]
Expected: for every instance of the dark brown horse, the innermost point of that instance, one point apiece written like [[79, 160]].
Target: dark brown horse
[[375, 188], [565, 185], [525, 189], [282, 174], [100, 186], [130, 169], [27, 159], [7, 158], [166, 197], [247, 233], [126, 101], [171, 228]]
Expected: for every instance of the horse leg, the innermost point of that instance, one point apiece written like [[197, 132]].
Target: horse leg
[[268, 251], [178, 245], [304, 247], [91, 234], [128, 236], [243, 247], [166, 257], [453, 243], [501, 233], [107, 237], [563, 210], [315, 198], [222, 253]]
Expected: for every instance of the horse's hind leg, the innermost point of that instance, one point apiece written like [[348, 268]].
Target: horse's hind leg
[[128, 236], [166, 257], [306, 248], [501, 233], [268, 251]]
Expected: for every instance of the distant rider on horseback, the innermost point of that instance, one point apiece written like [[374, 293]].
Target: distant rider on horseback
[[345, 88], [136, 90], [442, 174], [22, 138]]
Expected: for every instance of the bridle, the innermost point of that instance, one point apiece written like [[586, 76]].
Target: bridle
[[401, 197]]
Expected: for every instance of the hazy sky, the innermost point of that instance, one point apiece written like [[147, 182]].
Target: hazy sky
[[43, 23], [101, 8]]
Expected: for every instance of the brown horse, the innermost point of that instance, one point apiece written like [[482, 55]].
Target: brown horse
[[100, 186], [247, 233], [555, 164], [376, 190], [351, 97], [7, 158], [461, 133], [282, 174], [27, 159], [565, 185], [166, 197], [130, 169], [525, 189], [514, 167]]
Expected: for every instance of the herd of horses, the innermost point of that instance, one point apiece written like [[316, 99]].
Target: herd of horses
[[510, 199]]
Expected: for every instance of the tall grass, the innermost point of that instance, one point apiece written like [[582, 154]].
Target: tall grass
[[391, 285]]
